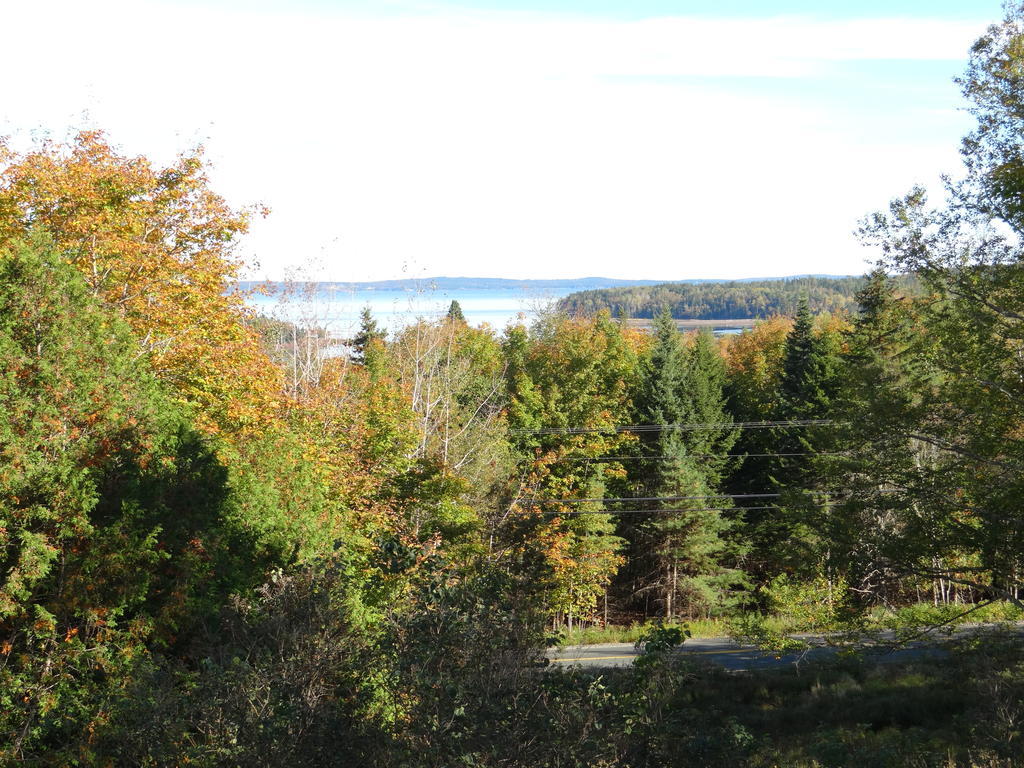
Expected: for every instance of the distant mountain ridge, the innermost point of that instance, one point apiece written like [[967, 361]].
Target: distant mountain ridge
[[502, 283]]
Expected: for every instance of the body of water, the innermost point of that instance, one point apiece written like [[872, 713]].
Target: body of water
[[338, 310]]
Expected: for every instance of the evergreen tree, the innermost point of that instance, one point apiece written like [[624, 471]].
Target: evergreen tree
[[661, 400], [622, 315], [705, 382], [369, 335], [875, 411], [807, 388], [118, 531], [455, 313], [809, 371], [680, 554]]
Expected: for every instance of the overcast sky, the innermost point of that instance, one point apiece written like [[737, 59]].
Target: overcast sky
[[641, 139]]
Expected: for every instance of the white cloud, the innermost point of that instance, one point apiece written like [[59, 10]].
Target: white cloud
[[470, 143]]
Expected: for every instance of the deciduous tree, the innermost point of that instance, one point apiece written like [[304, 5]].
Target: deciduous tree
[[157, 245]]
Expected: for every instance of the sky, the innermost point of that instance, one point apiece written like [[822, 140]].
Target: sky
[[649, 139]]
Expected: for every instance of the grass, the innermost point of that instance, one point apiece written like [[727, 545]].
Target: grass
[[963, 710], [926, 614], [902, 618], [633, 632]]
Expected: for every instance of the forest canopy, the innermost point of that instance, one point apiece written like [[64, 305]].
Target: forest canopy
[[742, 299], [228, 541]]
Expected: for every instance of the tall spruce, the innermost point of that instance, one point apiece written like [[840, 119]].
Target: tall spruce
[[455, 314], [678, 556], [368, 335], [809, 372], [876, 408], [810, 382], [807, 390]]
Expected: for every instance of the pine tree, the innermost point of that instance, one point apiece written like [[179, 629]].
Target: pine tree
[[876, 411], [368, 335], [807, 389], [705, 381], [455, 313], [809, 372], [680, 554]]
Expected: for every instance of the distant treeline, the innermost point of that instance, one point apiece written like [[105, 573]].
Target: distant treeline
[[719, 301]]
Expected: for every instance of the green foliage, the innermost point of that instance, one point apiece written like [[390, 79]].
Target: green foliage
[[809, 370], [681, 553], [661, 639], [952, 493], [368, 339], [577, 374], [795, 607], [785, 534], [455, 313], [360, 568], [613, 633], [117, 529], [994, 85], [720, 301]]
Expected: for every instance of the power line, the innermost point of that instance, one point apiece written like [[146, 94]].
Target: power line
[[576, 512], [694, 456], [663, 498], [664, 511], [674, 427], [684, 498]]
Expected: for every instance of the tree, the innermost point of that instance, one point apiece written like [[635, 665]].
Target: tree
[[569, 385], [807, 387], [992, 152], [966, 403], [681, 553], [454, 377], [157, 246], [754, 360], [808, 376], [118, 530], [368, 336], [455, 313], [957, 515], [876, 409]]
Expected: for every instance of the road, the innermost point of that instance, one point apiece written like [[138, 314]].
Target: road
[[718, 650], [728, 653]]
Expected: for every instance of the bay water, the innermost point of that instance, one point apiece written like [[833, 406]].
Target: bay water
[[338, 309]]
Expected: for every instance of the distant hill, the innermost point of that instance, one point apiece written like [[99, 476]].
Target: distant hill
[[738, 299], [501, 283]]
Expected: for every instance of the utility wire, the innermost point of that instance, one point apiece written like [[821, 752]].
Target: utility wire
[[661, 511], [564, 513], [675, 498], [674, 427], [693, 456], [678, 498], [664, 498]]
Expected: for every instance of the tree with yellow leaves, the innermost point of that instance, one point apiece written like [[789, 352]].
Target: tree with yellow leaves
[[158, 245]]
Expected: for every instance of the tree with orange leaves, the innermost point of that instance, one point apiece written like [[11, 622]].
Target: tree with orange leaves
[[158, 245], [569, 386]]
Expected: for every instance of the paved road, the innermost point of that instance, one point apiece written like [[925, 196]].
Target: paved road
[[732, 655], [718, 650]]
